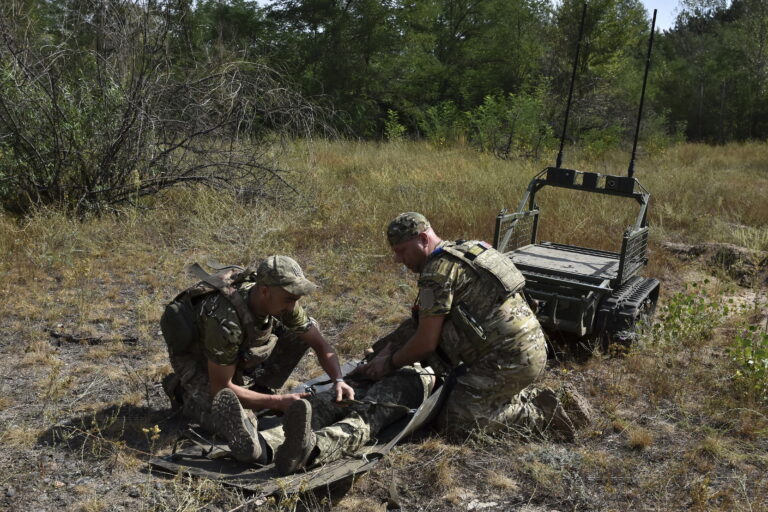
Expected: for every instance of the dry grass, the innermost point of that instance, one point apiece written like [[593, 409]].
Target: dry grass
[[675, 429], [639, 438]]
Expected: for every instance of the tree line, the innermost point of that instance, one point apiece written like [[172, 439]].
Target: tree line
[[102, 101], [472, 68]]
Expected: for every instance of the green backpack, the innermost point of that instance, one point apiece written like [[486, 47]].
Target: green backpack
[[179, 321]]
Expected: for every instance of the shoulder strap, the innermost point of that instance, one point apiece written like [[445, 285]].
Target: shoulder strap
[[480, 256], [224, 282]]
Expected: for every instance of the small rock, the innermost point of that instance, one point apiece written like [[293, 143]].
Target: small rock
[[10, 492], [134, 493], [159, 486]]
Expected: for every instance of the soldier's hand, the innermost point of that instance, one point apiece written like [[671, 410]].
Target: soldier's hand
[[282, 402], [343, 391], [378, 368]]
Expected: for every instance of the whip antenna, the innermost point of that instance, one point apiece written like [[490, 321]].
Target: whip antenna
[[631, 170], [570, 90]]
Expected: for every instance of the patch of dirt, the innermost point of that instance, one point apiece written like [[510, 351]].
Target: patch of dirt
[[749, 268]]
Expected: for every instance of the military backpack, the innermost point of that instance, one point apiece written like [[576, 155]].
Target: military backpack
[[179, 321]]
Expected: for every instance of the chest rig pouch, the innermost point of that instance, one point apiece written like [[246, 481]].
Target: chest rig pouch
[[257, 347]]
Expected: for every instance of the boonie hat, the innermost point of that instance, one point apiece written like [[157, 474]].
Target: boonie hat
[[406, 226], [284, 272]]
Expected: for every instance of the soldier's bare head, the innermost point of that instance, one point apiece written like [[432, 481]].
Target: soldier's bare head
[[412, 240]]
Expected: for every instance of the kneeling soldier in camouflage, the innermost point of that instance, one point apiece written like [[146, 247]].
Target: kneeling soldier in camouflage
[[471, 319], [224, 335]]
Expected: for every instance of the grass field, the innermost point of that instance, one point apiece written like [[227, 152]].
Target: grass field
[[682, 418]]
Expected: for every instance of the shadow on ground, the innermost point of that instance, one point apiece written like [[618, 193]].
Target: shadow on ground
[[137, 428]]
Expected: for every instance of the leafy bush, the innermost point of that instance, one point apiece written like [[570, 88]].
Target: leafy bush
[[688, 317], [512, 125], [595, 143], [393, 130], [443, 123], [89, 125]]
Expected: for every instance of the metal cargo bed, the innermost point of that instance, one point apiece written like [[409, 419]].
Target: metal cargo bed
[[565, 261]]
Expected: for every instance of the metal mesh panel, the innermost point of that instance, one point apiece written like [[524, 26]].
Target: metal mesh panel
[[634, 253], [515, 230]]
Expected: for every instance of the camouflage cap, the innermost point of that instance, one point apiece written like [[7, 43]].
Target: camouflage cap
[[284, 272], [406, 226]]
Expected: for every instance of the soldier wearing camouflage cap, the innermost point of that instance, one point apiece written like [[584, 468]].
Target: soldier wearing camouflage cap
[[232, 341], [471, 319]]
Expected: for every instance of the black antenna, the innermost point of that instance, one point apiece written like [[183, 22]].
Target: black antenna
[[631, 170], [570, 90]]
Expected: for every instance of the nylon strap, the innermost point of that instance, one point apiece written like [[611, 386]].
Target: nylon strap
[[230, 293]]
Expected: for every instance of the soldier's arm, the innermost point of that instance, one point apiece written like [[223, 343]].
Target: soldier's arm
[[423, 342], [329, 361], [220, 377]]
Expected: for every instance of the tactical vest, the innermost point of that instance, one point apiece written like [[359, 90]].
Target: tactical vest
[[481, 257], [472, 344], [179, 323]]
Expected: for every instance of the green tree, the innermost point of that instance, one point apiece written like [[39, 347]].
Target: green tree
[[715, 80], [467, 49], [610, 67], [336, 49]]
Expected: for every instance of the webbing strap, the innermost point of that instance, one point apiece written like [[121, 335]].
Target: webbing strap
[[231, 294], [389, 405]]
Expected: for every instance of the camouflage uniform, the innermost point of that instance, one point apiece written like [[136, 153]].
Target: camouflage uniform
[[341, 430], [490, 340], [265, 360], [492, 332]]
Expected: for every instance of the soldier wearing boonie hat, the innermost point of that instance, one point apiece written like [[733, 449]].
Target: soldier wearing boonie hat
[[231, 341], [284, 272], [471, 319]]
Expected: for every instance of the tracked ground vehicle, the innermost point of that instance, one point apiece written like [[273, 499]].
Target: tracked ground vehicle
[[578, 291]]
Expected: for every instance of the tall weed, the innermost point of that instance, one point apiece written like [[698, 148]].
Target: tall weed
[[750, 354], [689, 316]]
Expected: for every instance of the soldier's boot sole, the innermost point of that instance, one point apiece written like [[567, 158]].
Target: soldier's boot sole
[[295, 451], [233, 423]]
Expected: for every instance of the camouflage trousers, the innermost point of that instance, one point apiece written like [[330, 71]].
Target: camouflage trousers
[[345, 429], [495, 389], [191, 373]]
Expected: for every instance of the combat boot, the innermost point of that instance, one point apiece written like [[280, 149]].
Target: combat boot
[[557, 424], [295, 452], [238, 429], [173, 390], [576, 406]]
